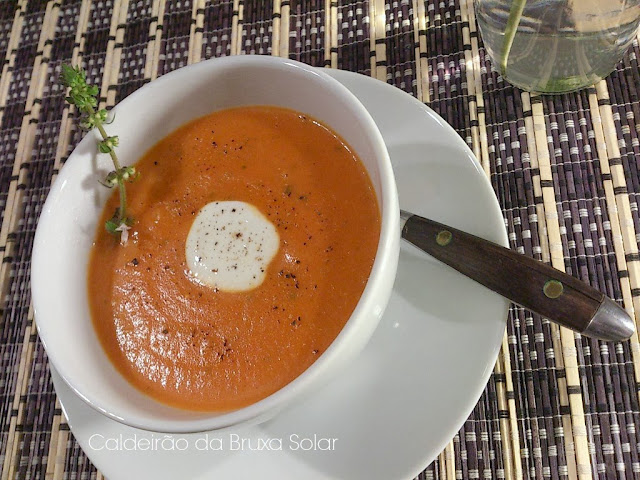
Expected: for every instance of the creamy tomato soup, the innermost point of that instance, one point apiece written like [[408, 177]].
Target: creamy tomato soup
[[185, 341]]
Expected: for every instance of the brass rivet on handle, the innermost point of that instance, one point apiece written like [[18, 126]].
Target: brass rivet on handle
[[553, 288], [444, 238]]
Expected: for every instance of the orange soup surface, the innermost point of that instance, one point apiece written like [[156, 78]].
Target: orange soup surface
[[201, 348]]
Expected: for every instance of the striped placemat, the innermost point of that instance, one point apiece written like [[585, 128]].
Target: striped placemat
[[565, 170]]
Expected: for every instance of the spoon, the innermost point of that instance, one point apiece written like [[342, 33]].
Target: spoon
[[532, 284]]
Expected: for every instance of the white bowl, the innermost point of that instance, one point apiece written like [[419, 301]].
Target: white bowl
[[69, 219]]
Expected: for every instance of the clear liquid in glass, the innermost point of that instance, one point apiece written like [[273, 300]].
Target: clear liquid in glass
[[559, 45]]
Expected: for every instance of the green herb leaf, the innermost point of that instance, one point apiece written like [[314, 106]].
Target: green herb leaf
[[104, 147], [111, 226], [111, 180], [129, 174]]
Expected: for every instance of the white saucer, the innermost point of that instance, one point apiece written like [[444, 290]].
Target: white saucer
[[392, 411]]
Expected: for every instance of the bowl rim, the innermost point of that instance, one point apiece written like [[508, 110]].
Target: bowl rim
[[375, 290]]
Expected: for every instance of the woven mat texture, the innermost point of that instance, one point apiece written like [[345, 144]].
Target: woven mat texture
[[565, 170]]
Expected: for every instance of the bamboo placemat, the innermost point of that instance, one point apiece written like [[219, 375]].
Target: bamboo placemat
[[565, 170]]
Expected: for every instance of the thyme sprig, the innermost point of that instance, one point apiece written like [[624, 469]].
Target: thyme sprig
[[84, 97]]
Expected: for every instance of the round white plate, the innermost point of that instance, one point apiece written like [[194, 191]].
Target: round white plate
[[394, 409]]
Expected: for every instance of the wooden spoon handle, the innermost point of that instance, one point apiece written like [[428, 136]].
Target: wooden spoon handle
[[538, 287]]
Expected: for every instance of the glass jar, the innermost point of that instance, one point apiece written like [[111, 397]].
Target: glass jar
[[556, 46]]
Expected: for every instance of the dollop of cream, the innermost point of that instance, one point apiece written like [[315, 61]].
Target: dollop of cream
[[230, 246]]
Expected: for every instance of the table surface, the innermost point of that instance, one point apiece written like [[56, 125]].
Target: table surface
[[565, 170]]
